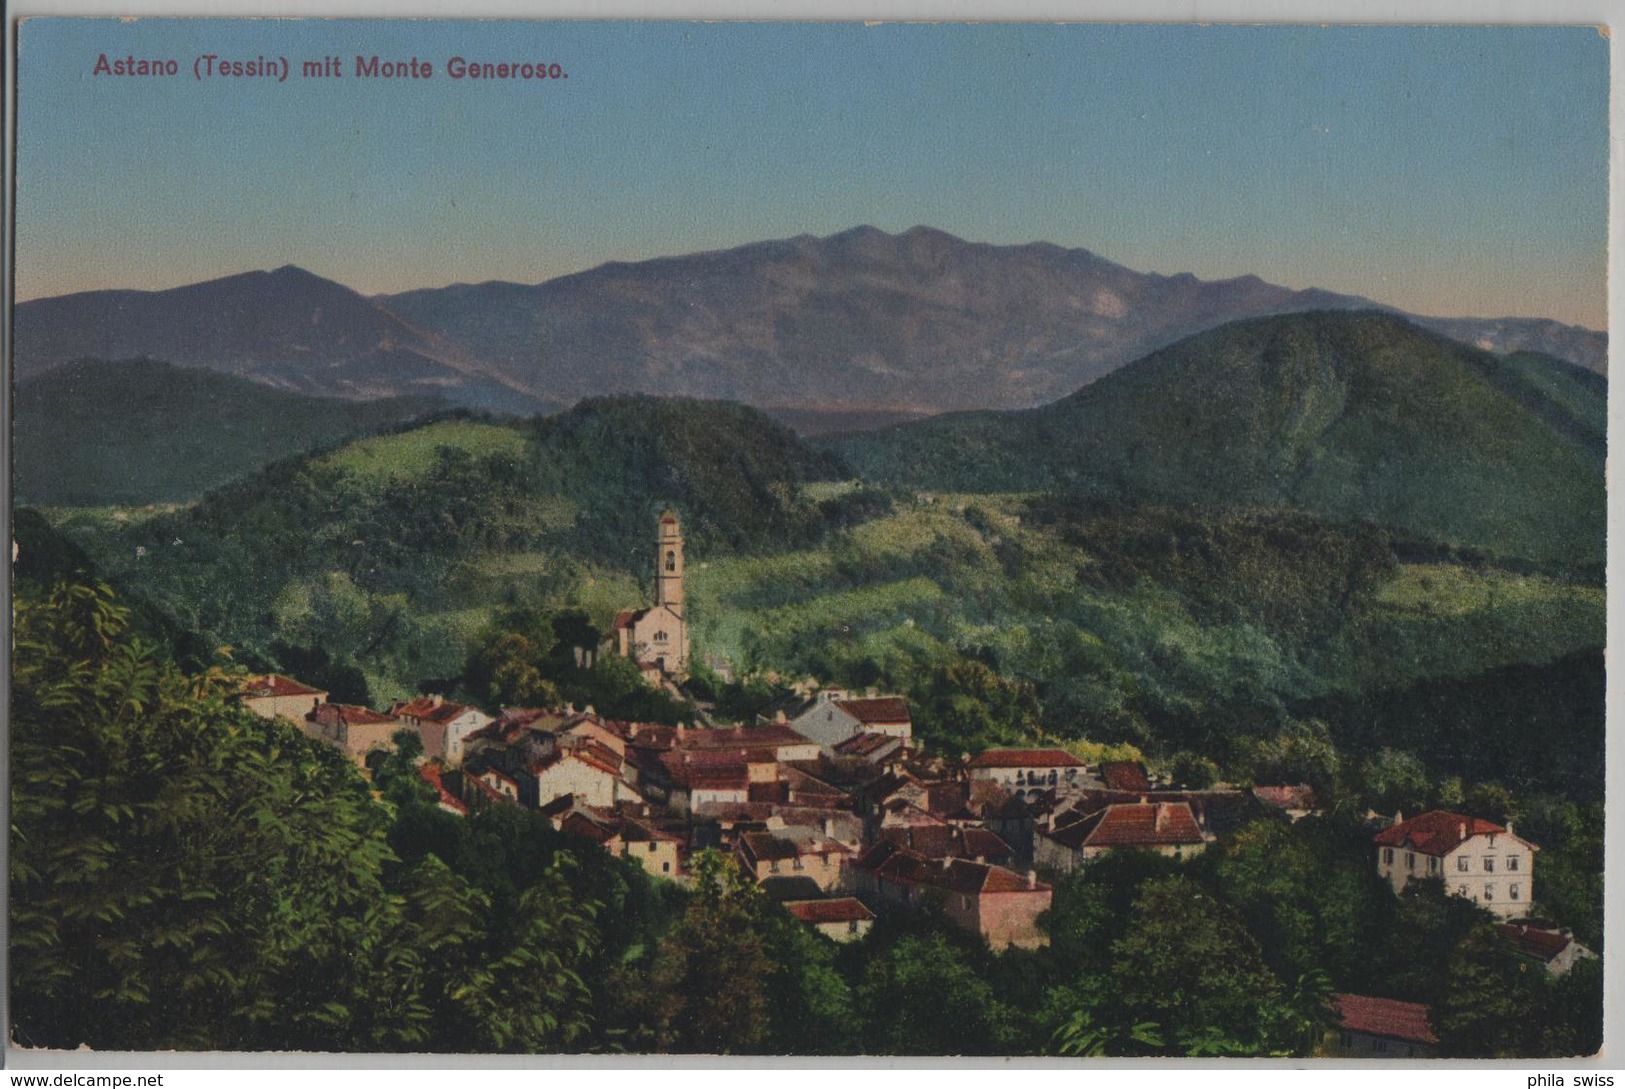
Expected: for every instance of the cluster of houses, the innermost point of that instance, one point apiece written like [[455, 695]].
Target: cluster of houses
[[837, 815]]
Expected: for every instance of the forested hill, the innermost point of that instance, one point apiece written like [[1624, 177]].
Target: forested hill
[[1361, 416], [143, 431], [390, 550]]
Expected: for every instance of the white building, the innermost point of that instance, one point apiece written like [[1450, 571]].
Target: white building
[[1475, 859], [443, 725], [832, 719], [657, 637], [1027, 769]]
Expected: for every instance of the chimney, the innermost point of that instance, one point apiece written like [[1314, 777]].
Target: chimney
[[1399, 816], [1143, 799], [778, 717], [1032, 879], [590, 710], [1509, 828], [436, 700], [1162, 818], [1461, 830], [947, 860]]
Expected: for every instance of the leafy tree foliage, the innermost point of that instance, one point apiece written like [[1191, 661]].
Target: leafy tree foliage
[[187, 874], [183, 873], [710, 971], [1187, 965]]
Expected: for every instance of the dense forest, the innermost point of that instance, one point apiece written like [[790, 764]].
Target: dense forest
[[1388, 587], [279, 905]]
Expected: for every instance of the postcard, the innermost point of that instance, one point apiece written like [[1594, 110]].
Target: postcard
[[808, 539]]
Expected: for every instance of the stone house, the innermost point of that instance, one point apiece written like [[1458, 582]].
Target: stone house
[[1546, 943], [792, 850], [275, 696], [354, 731], [832, 720], [842, 919], [1476, 859], [1165, 828], [1379, 1028], [1026, 770], [443, 724], [1000, 905]]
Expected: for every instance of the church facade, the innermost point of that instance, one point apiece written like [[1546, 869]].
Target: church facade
[[657, 637]]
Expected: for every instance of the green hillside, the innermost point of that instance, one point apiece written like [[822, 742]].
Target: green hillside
[[393, 551], [1166, 628], [1357, 416], [142, 431], [1205, 620]]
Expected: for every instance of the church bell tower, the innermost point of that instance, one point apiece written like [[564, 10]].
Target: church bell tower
[[669, 563]]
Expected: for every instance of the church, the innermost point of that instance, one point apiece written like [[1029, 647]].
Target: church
[[657, 637]]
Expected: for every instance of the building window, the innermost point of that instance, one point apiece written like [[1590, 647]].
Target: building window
[[1489, 865], [1410, 860], [852, 927], [1462, 891], [651, 847], [1388, 856], [1513, 891], [1433, 864], [665, 867], [1461, 863], [1512, 863], [1489, 893], [671, 561]]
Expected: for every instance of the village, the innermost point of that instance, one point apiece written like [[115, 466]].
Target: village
[[839, 814]]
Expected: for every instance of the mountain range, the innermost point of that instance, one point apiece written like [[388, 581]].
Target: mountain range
[[862, 322]]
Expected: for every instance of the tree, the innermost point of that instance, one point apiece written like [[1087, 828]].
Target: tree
[[500, 981], [922, 996], [1189, 965], [710, 972], [183, 873], [1489, 995], [1394, 781]]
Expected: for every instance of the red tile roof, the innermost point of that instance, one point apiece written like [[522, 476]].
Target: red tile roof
[[1124, 775], [1436, 832], [739, 737], [877, 709], [275, 684], [947, 840], [624, 620], [1156, 824], [787, 843], [889, 862], [579, 824], [1025, 758], [844, 909], [865, 744], [345, 714], [1396, 1020], [430, 773], [1544, 945], [430, 708], [511, 717]]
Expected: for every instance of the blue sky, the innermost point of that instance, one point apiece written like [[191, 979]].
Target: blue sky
[[1444, 170]]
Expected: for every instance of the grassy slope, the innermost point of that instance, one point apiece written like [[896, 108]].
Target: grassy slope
[[1114, 634], [147, 432], [394, 550], [1356, 416]]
